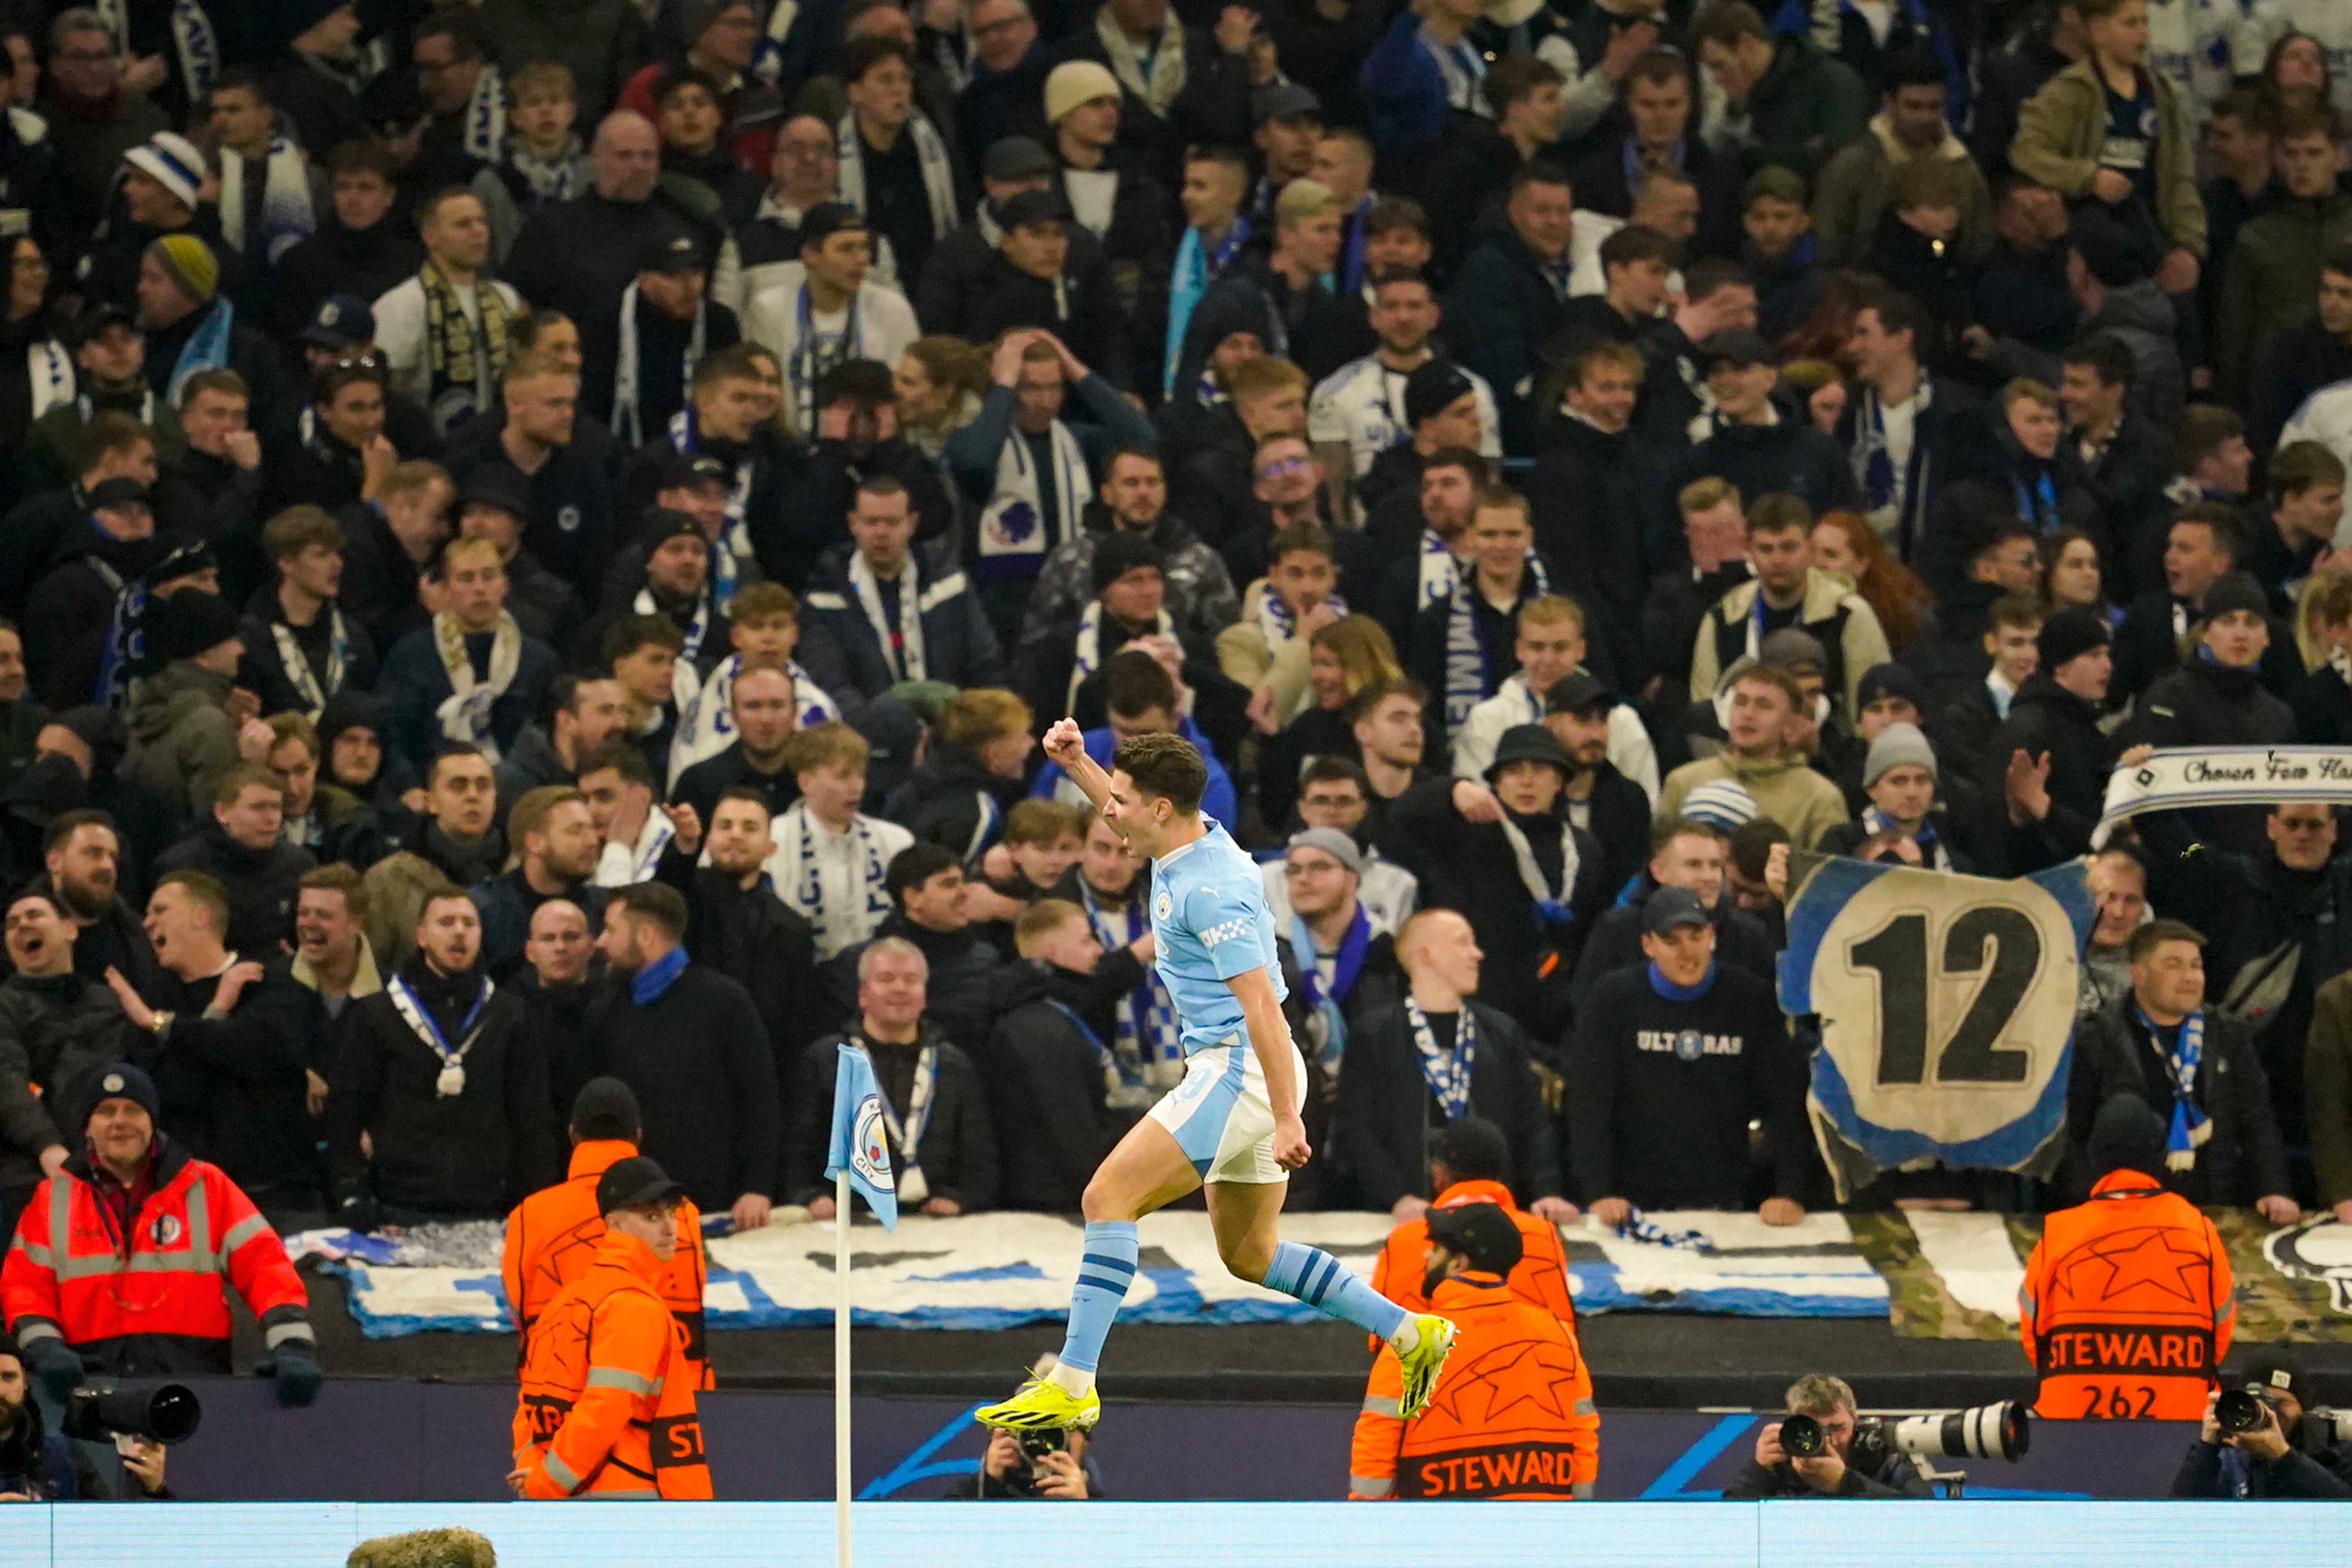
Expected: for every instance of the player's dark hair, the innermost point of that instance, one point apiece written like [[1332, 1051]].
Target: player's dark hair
[[1164, 767]]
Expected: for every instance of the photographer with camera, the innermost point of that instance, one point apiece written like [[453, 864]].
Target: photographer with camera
[[2259, 1440], [40, 1466], [1824, 1449], [124, 1260], [1033, 1465]]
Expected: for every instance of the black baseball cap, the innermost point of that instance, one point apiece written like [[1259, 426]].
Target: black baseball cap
[[673, 252], [635, 1183], [690, 470], [1672, 908], [1012, 158], [1480, 1232], [827, 219], [120, 491], [1733, 346], [1028, 208], [1576, 692]]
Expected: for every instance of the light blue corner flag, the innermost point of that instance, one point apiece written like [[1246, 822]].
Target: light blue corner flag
[[858, 1145]]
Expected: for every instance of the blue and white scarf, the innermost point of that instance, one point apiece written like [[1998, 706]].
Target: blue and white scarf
[[126, 635], [1276, 622], [1887, 491], [811, 356], [1323, 1005], [192, 39], [808, 883], [1469, 663], [1441, 572], [687, 440], [207, 348], [1933, 855], [1552, 909], [1147, 1040], [2190, 1126], [286, 216], [628, 423], [297, 665], [1087, 651], [1447, 1072], [1195, 269], [486, 115], [930, 152]]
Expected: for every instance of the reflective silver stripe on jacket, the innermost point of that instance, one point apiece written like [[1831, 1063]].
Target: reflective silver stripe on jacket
[[621, 1378], [1383, 1404], [561, 1473], [1371, 1486]]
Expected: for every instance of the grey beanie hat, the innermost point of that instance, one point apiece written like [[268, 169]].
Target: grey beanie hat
[[1897, 746]]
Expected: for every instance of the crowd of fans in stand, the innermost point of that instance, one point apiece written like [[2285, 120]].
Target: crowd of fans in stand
[[600, 497]]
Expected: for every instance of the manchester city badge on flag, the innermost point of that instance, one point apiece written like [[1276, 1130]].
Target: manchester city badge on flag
[[859, 1146], [1946, 1006]]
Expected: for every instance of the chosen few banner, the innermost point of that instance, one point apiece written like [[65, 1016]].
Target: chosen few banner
[[1946, 1007]]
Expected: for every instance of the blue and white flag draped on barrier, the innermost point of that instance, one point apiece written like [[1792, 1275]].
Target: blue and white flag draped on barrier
[[1946, 1011], [2184, 777], [858, 1144]]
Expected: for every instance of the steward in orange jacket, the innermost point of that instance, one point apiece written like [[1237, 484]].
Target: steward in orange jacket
[[2127, 1307], [606, 1409], [124, 1260], [1512, 1414], [1540, 1276], [552, 1235]]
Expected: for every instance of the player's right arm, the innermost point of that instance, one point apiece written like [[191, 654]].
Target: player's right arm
[[1269, 1037], [1066, 744]]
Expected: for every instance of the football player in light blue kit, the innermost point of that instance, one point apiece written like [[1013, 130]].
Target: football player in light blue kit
[[1233, 1122]]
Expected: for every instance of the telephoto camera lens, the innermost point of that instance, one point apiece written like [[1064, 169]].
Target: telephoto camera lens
[[2237, 1411], [2000, 1431], [165, 1413], [1801, 1436]]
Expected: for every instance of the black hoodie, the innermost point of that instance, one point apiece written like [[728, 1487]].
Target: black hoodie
[[1043, 1073]]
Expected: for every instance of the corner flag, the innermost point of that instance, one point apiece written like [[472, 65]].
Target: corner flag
[[860, 1149]]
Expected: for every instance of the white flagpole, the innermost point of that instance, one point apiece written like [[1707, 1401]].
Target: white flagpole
[[840, 1367]]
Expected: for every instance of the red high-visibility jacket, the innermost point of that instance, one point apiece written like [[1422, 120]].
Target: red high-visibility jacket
[[2126, 1308], [154, 1301]]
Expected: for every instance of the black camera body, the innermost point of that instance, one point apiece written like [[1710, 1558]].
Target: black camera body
[[1035, 1446], [165, 1413]]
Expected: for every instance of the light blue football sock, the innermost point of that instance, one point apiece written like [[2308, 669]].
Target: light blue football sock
[[1104, 1274], [1323, 1282]]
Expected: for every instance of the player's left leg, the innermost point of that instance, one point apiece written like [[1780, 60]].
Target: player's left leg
[[1244, 1215]]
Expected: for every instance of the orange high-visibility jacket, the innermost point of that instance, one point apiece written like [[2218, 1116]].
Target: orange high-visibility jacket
[[1512, 1414], [156, 1298], [2127, 1307], [1541, 1276], [608, 1403], [552, 1238]]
